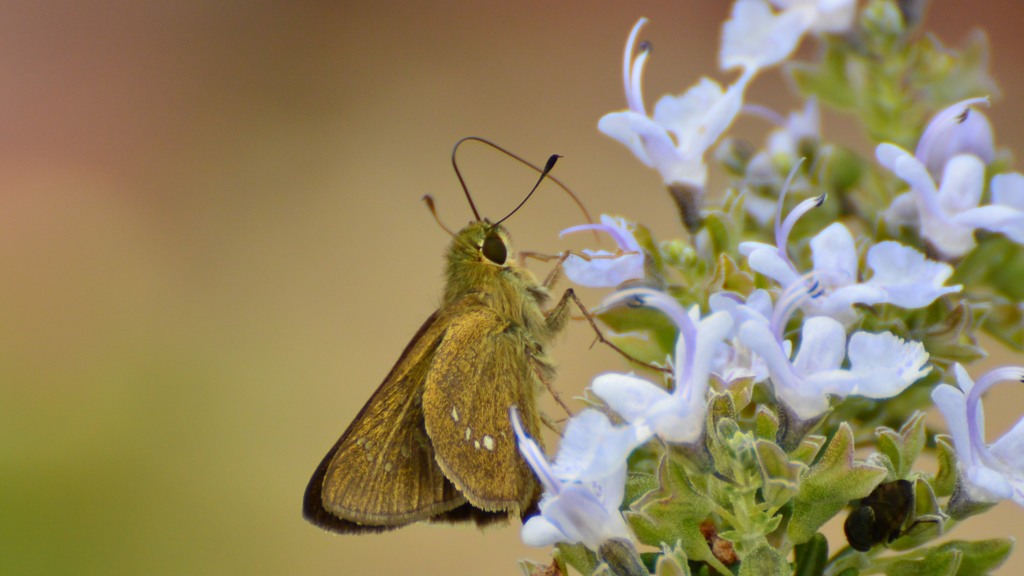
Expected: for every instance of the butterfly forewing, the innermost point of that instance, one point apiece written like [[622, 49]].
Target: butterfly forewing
[[382, 472], [480, 349]]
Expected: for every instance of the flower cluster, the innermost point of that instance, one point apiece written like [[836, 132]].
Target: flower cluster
[[820, 301]]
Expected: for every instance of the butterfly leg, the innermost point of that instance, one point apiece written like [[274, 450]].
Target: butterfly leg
[[554, 393], [561, 309]]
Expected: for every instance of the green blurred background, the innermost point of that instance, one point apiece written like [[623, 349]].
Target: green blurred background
[[214, 249]]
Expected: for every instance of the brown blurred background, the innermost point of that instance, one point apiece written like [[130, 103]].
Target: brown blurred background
[[213, 248]]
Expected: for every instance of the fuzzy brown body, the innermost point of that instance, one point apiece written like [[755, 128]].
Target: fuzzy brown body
[[434, 442]]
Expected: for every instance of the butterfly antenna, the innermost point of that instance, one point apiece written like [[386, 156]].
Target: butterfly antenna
[[543, 172], [433, 210], [547, 169]]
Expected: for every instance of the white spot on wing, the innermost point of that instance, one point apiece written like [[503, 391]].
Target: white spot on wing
[[469, 433], [476, 444], [455, 414], [489, 443]]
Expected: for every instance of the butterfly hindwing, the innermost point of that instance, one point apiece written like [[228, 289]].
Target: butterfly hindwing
[[470, 429]]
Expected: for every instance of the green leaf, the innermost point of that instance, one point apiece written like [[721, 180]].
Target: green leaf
[[905, 446], [766, 423], [945, 478], [764, 561], [621, 558], [980, 557], [720, 407], [576, 555], [673, 513], [718, 225], [811, 556], [936, 563], [672, 562], [948, 332], [780, 477], [829, 485], [808, 449], [826, 80], [637, 485]]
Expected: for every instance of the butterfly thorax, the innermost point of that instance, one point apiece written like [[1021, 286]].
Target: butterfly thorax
[[481, 268]]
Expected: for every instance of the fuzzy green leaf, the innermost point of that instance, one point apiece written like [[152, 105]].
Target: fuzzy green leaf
[[576, 555], [936, 563], [830, 484], [673, 513], [945, 478], [827, 80], [811, 556], [764, 561], [905, 446], [766, 423], [808, 449], [672, 562], [780, 477], [980, 557]]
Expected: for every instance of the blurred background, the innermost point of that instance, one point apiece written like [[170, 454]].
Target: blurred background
[[213, 248]]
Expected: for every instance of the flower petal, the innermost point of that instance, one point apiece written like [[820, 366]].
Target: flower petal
[[834, 255], [604, 269], [886, 363], [962, 183], [908, 278], [766, 259], [631, 397], [538, 531], [994, 217], [592, 449], [957, 129], [953, 405], [755, 37], [1008, 190], [822, 346], [634, 131]]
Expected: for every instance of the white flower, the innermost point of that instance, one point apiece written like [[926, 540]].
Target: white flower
[[958, 129], [881, 365], [756, 37], [949, 214], [824, 16], [902, 276], [733, 360], [584, 488], [798, 126], [683, 127], [989, 473], [606, 269], [676, 416]]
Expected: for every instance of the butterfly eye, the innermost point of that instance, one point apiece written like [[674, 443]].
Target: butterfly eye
[[494, 249]]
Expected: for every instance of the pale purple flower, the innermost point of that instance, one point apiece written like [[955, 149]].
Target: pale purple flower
[[949, 214], [901, 275], [988, 472], [823, 16], [682, 128], [756, 37], [733, 361], [583, 489], [676, 416], [798, 126], [958, 129], [783, 146], [606, 269], [881, 365]]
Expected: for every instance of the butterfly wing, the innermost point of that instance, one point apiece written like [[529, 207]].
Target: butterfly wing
[[481, 368], [382, 472]]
